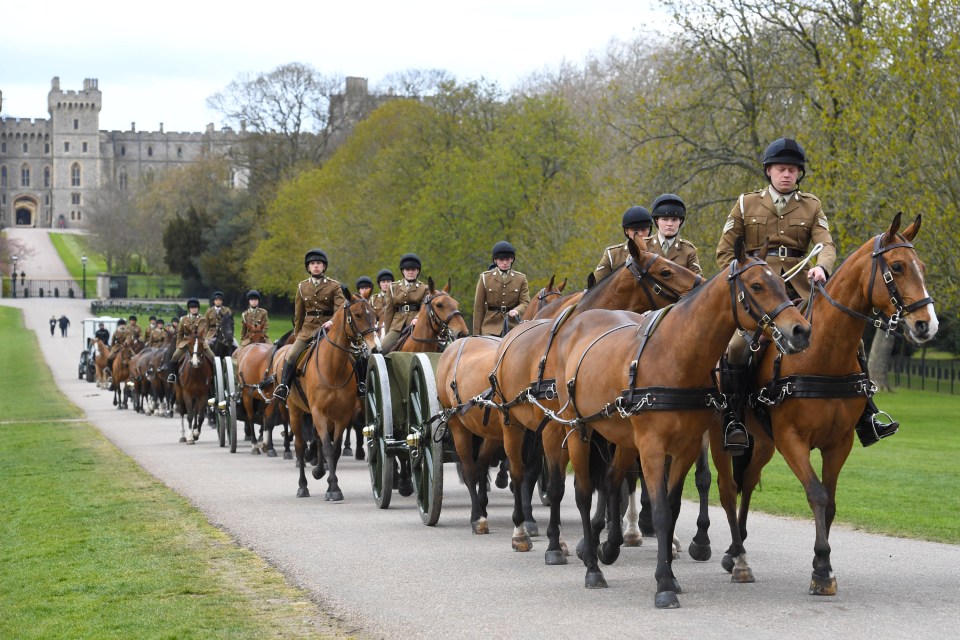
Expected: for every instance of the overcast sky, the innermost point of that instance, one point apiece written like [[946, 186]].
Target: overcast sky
[[159, 62]]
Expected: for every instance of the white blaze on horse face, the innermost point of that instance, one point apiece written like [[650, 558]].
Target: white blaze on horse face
[[195, 357]]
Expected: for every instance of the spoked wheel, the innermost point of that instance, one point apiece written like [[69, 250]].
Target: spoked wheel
[[230, 392], [218, 387], [543, 482], [426, 450], [378, 417]]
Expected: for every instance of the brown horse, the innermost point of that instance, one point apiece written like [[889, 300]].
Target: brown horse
[[544, 297], [193, 383], [812, 400], [438, 323], [100, 364], [524, 359], [256, 392], [121, 384], [141, 377], [645, 383], [328, 388]]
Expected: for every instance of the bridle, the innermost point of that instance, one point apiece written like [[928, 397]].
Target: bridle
[[543, 295], [439, 326], [740, 295], [880, 320], [358, 345], [643, 274]]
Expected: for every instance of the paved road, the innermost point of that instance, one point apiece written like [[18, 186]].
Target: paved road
[[386, 575]]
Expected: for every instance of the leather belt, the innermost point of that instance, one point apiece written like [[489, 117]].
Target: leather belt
[[785, 252], [502, 309], [319, 314], [406, 308]]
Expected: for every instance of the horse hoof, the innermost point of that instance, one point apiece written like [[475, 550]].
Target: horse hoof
[[727, 563], [554, 557], [595, 580], [699, 552], [287, 455], [823, 586], [405, 487], [532, 529], [271, 453], [742, 573], [348, 451], [318, 473], [182, 439], [333, 496], [480, 527], [191, 442], [632, 539], [521, 543], [565, 548], [608, 553], [360, 455], [255, 450], [303, 492], [502, 480], [666, 600]]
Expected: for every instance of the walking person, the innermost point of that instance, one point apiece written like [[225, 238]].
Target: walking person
[[64, 323], [53, 324]]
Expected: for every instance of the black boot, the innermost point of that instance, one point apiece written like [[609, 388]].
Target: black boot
[[870, 430], [286, 379], [734, 379]]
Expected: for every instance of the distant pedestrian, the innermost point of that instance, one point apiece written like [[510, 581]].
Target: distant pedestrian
[[53, 324], [64, 323]]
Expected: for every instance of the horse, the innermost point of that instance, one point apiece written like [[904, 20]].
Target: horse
[[223, 344], [438, 323], [256, 386], [543, 298], [121, 384], [525, 355], [141, 377], [813, 400], [193, 382], [328, 389], [646, 384], [101, 355]]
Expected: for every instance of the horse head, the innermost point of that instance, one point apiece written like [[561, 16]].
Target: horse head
[[759, 297], [195, 353], [443, 313], [360, 324]]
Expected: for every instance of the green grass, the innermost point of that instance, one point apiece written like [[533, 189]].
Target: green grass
[[93, 547], [903, 486]]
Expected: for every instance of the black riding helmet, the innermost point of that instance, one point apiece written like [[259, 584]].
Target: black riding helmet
[[785, 151], [315, 255], [364, 281], [193, 302], [504, 249], [122, 321], [384, 274], [253, 293], [410, 261], [669, 205], [637, 217], [217, 294]]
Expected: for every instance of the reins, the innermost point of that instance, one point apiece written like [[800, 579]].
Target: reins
[[442, 327]]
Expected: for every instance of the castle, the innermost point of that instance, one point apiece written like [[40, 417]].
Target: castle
[[51, 169]]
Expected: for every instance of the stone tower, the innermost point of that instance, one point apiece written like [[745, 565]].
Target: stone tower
[[76, 162]]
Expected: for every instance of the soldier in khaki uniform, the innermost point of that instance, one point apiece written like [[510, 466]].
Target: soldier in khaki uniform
[[214, 314], [254, 321], [171, 328], [317, 299], [157, 335], [668, 213], [501, 293], [365, 288], [379, 301], [191, 326], [404, 298], [133, 331], [119, 336], [637, 222]]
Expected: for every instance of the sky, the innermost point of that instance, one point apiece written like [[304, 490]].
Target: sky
[[159, 62]]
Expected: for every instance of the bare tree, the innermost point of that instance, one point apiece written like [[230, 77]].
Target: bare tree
[[112, 234]]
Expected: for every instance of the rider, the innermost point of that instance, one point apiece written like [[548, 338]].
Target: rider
[[253, 321], [133, 330], [403, 300], [636, 222], [379, 301], [791, 221], [157, 335], [172, 327], [192, 326], [365, 287], [214, 314], [318, 298], [668, 213], [501, 293]]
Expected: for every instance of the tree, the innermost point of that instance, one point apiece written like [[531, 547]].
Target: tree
[[111, 231]]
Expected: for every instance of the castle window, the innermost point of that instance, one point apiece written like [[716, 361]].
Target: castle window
[[75, 175], [76, 124], [123, 180], [46, 177], [25, 176], [66, 147], [123, 149], [78, 214], [179, 152], [149, 151], [46, 148], [73, 215], [25, 147], [84, 147], [46, 199], [3, 147], [3, 176], [74, 198]]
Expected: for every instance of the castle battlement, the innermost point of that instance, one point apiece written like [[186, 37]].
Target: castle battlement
[[24, 125]]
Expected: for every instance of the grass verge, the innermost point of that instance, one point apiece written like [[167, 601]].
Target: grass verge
[[903, 486], [96, 548]]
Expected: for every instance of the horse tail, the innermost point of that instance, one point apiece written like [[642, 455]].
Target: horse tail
[[740, 464], [601, 452]]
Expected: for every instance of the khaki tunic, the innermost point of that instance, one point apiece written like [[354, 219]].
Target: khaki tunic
[[379, 303], [133, 333], [191, 327], [253, 326], [212, 317], [403, 304], [613, 257], [156, 338], [317, 301], [119, 336], [801, 224], [502, 292], [683, 252]]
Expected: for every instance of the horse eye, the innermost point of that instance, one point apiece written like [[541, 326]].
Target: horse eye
[[666, 273], [756, 286], [897, 267]]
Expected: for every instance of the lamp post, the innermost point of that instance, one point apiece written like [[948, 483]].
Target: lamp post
[[13, 276], [83, 260]]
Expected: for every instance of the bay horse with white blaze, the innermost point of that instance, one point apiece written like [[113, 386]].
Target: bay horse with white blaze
[[193, 383], [812, 400]]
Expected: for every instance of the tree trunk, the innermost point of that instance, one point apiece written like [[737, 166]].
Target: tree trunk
[[881, 352]]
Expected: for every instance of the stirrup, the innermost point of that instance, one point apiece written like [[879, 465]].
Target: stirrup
[[172, 378], [280, 392], [735, 437], [871, 431]]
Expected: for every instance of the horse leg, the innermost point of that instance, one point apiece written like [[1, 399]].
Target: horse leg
[[287, 434], [532, 451], [513, 448], [331, 453], [347, 449], [269, 422], [632, 536], [583, 490], [463, 442], [248, 429], [609, 550], [652, 463], [699, 548], [296, 426], [556, 461]]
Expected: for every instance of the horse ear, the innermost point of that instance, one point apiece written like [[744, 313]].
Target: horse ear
[[635, 247], [911, 232], [346, 292], [446, 289], [891, 233], [550, 284], [430, 286], [739, 249], [563, 285], [591, 280]]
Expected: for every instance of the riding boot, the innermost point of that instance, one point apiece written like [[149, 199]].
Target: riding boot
[[286, 379], [734, 379], [870, 430]]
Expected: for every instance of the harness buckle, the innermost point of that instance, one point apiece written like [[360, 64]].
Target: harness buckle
[[504, 310], [782, 251], [887, 277]]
